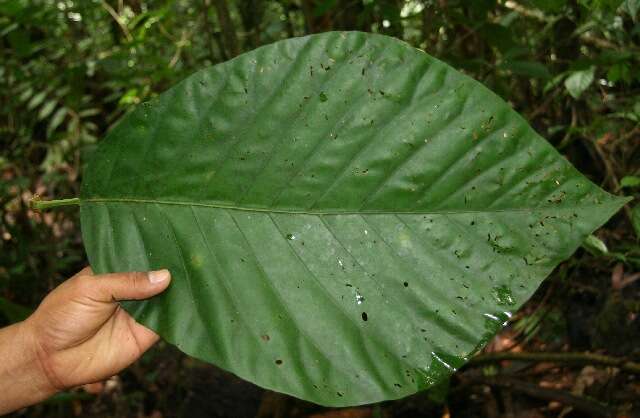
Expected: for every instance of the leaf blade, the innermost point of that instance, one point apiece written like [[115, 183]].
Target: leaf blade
[[371, 215]]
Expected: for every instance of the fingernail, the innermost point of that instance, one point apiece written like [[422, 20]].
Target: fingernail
[[159, 276]]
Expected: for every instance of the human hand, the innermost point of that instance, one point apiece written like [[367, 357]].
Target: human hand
[[79, 334]]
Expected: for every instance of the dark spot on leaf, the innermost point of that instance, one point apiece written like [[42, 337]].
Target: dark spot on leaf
[[265, 337], [278, 362], [323, 97], [364, 316]]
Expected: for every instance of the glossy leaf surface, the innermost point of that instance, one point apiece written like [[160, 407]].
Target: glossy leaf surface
[[346, 218]]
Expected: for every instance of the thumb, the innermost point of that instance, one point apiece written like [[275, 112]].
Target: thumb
[[129, 286]]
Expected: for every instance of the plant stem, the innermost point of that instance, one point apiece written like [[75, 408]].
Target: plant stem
[[579, 403], [46, 204], [574, 358]]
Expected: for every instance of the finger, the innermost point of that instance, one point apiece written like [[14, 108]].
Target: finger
[[128, 286], [87, 271], [145, 337], [95, 388]]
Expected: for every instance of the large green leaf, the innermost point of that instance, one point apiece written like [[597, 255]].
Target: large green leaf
[[346, 218]]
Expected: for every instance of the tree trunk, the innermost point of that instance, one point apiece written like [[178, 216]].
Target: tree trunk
[[226, 26], [252, 12], [211, 37], [307, 11]]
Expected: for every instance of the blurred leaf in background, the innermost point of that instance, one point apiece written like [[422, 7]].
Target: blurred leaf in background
[[635, 219], [12, 311], [578, 81], [630, 181]]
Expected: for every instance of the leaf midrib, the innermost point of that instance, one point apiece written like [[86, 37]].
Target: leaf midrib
[[616, 201]]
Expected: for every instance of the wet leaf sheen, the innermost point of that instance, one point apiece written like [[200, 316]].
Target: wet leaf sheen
[[346, 218]]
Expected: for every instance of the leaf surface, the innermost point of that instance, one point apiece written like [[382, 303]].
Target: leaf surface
[[346, 218], [579, 81]]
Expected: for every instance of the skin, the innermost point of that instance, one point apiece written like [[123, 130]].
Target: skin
[[78, 335]]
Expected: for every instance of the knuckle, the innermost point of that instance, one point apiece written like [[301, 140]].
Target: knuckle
[[135, 280], [84, 285]]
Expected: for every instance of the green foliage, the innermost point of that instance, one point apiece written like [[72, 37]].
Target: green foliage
[[635, 219], [549, 6], [609, 5], [632, 7], [12, 311], [347, 211], [579, 81], [595, 244], [630, 181]]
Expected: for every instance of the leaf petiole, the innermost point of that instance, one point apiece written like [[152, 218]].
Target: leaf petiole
[[38, 204]]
